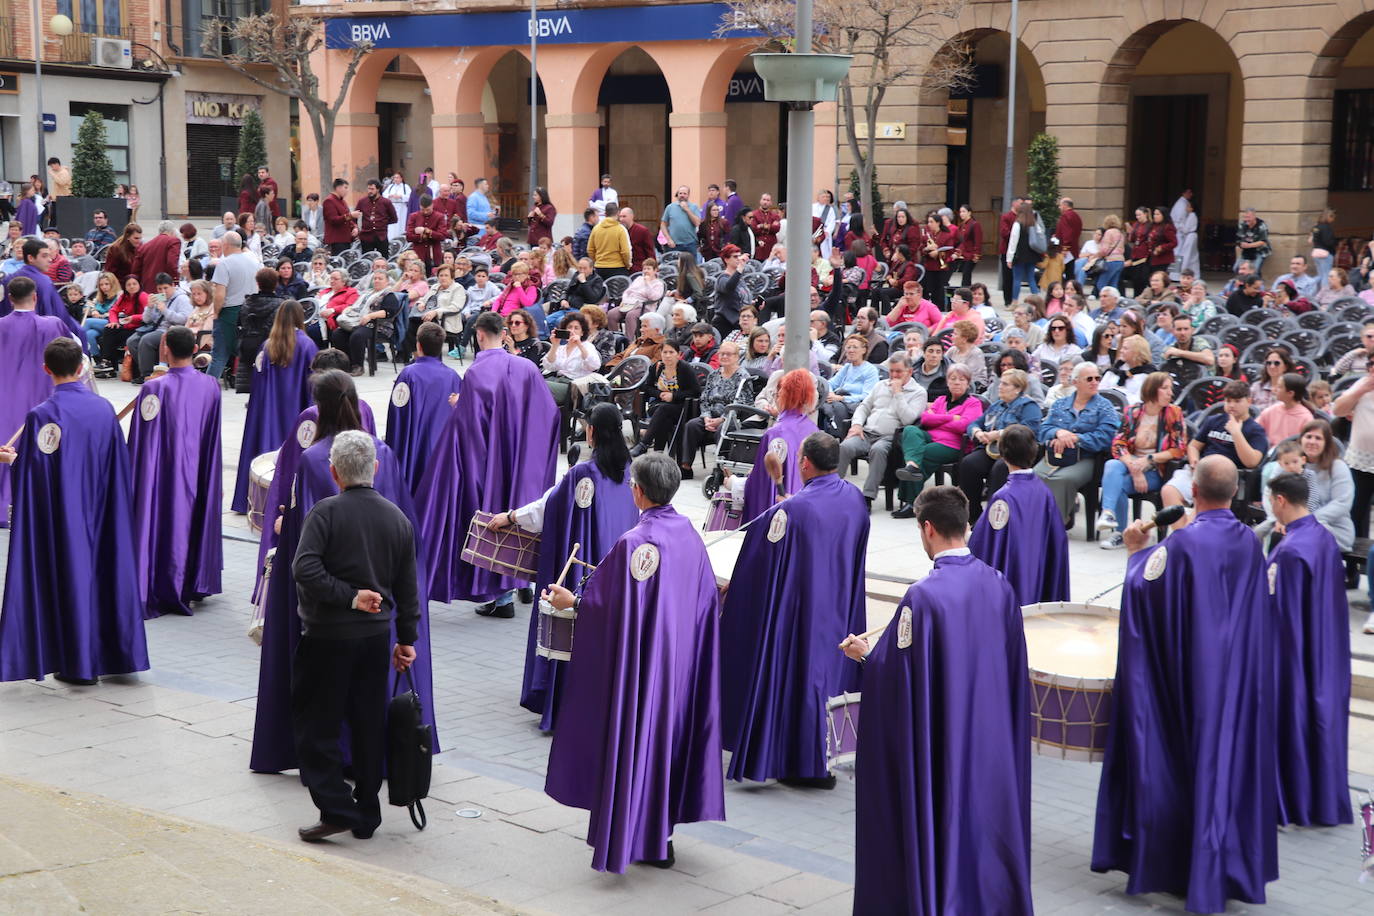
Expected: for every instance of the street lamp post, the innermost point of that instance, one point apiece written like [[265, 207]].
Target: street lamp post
[[534, 99], [1009, 163], [60, 25]]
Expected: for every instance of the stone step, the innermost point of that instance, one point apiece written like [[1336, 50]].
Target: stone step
[[1362, 708], [1362, 678]]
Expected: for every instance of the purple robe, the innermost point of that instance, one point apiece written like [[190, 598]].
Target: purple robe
[[796, 592], [274, 747], [49, 302], [301, 437], [609, 512], [1188, 803], [1307, 602], [1022, 536], [280, 393], [636, 739], [784, 438], [498, 451], [175, 445], [419, 407], [23, 335], [26, 214], [943, 767], [71, 592]]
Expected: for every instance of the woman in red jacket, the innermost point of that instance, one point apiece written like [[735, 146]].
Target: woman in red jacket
[[119, 257], [900, 230], [1137, 271], [937, 252], [126, 315], [970, 244], [541, 217], [1162, 241]]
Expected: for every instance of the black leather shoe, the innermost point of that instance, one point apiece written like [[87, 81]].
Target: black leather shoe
[[78, 681], [911, 474], [485, 610], [905, 510], [662, 863], [360, 833], [503, 611], [809, 782], [639, 449], [525, 595], [319, 830], [686, 471]]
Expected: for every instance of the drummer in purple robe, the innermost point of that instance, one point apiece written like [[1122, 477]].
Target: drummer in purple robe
[[1307, 602], [301, 437], [274, 747], [174, 445], [636, 738], [592, 506], [23, 335], [421, 400], [1022, 535], [796, 401], [498, 450], [1188, 801], [280, 392], [942, 771], [71, 605], [797, 589], [37, 258]]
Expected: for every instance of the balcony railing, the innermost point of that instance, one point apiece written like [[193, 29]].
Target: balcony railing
[[76, 47]]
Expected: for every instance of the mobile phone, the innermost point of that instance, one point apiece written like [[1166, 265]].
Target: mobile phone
[[561, 334]]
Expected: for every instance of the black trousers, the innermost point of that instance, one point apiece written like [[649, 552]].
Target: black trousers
[[934, 287], [112, 341], [1005, 273], [965, 267], [356, 343], [337, 248], [337, 681], [606, 273], [975, 470], [662, 423], [694, 436], [1364, 494], [1138, 277]]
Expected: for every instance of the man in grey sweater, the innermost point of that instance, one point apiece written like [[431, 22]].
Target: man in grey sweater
[[355, 574], [899, 401]]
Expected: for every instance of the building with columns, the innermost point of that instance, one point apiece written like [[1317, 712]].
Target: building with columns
[[1271, 108]]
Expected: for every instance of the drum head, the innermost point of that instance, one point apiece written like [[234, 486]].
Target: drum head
[[263, 467], [1074, 642]]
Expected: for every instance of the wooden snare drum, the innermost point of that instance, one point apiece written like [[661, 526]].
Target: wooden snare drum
[[842, 730], [554, 634], [1071, 649], [259, 618], [260, 474], [723, 515], [511, 551]]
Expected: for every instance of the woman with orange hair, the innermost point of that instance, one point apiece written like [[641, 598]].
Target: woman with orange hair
[[795, 400]]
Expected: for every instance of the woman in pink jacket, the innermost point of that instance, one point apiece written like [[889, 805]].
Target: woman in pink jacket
[[520, 293], [939, 439]]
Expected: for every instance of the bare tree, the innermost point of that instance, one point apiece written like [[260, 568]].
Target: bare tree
[[275, 53], [892, 42]]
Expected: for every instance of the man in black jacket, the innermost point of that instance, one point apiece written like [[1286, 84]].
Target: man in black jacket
[[355, 574]]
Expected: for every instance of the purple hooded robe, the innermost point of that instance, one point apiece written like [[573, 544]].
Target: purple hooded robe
[[174, 445], [1022, 536], [943, 766], [784, 438], [23, 335], [419, 408], [636, 739], [49, 302], [280, 393], [72, 602], [498, 451], [1188, 801], [796, 592], [1307, 602]]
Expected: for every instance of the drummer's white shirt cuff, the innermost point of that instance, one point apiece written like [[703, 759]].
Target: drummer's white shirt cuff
[[531, 516], [952, 552]]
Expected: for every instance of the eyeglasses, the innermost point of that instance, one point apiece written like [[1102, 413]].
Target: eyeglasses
[[1091, 378], [514, 321], [1273, 362]]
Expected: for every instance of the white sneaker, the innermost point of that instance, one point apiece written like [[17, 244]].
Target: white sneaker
[[1114, 542], [1106, 520], [1369, 624]]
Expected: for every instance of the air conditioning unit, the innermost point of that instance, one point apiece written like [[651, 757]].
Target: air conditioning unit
[[111, 52]]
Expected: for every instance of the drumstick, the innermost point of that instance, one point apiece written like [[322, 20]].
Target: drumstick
[[127, 408], [15, 438], [568, 565], [876, 631], [729, 534]]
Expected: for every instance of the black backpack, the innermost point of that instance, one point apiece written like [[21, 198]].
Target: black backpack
[[409, 745]]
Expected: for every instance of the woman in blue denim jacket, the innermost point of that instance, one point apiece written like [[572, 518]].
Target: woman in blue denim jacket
[[1084, 421], [978, 467]]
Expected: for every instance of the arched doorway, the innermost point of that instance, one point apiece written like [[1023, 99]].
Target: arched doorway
[[1184, 106], [634, 143], [404, 112], [506, 136], [1345, 73]]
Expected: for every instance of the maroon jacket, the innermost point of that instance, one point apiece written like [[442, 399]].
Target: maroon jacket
[[1138, 242], [426, 246], [641, 245], [970, 240], [1069, 230], [541, 227], [378, 214], [338, 225], [1163, 239], [944, 238], [161, 254], [1004, 231], [765, 224]]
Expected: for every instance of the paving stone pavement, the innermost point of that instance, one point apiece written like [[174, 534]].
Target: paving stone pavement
[[175, 739]]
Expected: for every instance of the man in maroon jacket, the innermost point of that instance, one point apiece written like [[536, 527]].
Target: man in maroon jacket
[[265, 180], [1003, 240], [377, 214], [425, 229], [1069, 229], [765, 221], [641, 239], [339, 226], [161, 254]]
